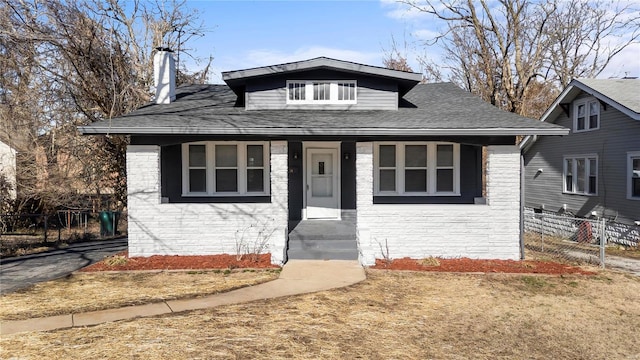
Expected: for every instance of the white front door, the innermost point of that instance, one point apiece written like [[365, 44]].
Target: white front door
[[322, 184]]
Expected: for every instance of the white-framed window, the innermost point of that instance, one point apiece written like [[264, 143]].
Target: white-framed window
[[580, 174], [633, 175], [225, 168], [586, 115], [296, 91], [416, 169], [322, 92], [347, 91]]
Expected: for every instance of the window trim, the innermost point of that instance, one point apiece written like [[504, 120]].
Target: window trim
[[586, 102], [574, 174], [431, 169], [333, 91], [241, 165], [630, 156]]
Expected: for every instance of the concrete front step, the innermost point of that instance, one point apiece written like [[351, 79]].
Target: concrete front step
[[321, 244], [323, 249], [305, 236], [322, 230], [323, 254], [323, 240]]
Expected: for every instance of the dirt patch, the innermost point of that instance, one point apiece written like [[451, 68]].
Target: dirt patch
[[122, 261], [484, 266]]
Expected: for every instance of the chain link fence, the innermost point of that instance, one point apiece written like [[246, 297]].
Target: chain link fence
[[564, 238]]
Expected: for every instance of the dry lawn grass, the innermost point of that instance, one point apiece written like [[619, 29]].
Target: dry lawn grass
[[82, 292], [391, 315], [632, 252]]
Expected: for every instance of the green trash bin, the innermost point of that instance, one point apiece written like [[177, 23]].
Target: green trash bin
[[108, 223]]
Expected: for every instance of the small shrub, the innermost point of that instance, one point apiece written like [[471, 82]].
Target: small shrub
[[430, 261], [386, 257], [116, 260]]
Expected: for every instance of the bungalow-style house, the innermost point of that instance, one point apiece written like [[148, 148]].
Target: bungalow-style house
[[595, 170], [321, 159]]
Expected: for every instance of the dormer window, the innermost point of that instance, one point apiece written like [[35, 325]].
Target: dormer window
[[322, 92], [586, 115], [347, 91], [296, 91]]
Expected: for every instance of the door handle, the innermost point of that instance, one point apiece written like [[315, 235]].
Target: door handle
[[307, 187]]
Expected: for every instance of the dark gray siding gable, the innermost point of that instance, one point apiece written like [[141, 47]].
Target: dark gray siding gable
[[372, 93]]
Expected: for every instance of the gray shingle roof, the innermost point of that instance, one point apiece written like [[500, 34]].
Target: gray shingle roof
[[428, 109], [625, 92]]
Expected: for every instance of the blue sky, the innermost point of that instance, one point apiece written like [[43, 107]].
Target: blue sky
[[244, 34]]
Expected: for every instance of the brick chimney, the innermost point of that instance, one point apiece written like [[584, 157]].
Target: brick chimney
[[164, 75]]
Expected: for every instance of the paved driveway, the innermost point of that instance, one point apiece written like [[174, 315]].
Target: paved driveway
[[23, 271]]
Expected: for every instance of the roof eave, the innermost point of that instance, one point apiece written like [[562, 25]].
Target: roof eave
[[321, 62], [96, 130]]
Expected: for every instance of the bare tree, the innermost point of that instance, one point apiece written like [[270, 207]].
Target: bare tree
[[514, 53], [70, 63], [395, 58]]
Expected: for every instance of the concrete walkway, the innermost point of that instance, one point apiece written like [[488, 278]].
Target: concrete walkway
[[297, 277]]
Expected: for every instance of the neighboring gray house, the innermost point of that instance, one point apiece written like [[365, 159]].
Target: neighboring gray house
[[322, 159], [596, 168]]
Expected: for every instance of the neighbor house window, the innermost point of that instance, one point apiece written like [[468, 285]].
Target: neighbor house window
[[322, 92], [633, 174], [586, 115], [225, 168], [417, 169], [581, 174]]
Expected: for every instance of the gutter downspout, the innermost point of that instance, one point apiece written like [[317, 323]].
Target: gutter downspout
[[521, 206]]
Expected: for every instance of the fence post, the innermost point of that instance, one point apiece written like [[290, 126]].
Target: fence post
[[541, 232], [46, 230], [602, 241]]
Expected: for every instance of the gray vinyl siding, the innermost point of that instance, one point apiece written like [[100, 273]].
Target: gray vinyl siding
[[618, 135], [372, 93]]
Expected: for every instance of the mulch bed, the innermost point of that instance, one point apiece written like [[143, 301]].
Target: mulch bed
[[484, 266], [121, 262], [176, 262]]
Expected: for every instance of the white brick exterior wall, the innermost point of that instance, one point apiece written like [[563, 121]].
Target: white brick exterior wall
[[488, 231], [202, 228]]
